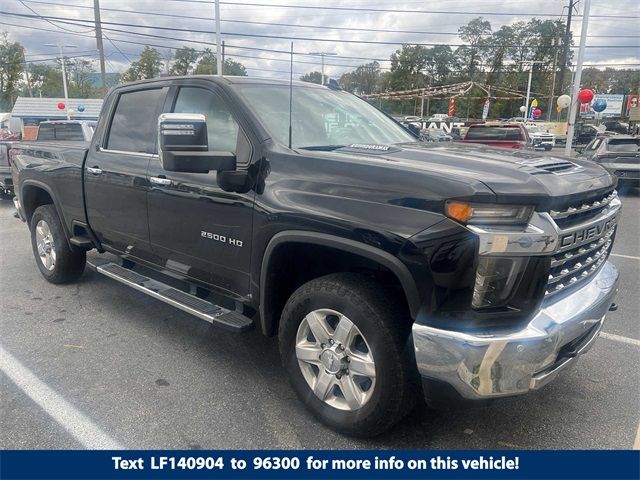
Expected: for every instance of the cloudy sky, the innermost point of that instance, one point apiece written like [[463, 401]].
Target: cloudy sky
[[613, 33]]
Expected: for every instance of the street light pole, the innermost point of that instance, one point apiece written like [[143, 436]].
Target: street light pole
[[575, 105], [322, 55], [526, 110], [218, 40], [64, 73]]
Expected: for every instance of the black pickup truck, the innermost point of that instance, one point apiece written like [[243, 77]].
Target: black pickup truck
[[386, 266]]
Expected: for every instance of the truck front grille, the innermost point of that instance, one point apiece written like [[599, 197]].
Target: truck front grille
[[591, 237]]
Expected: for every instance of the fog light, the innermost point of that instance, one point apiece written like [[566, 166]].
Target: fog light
[[496, 278]]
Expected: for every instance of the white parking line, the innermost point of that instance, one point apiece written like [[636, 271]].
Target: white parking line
[[620, 338], [71, 419], [625, 256], [636, 444]]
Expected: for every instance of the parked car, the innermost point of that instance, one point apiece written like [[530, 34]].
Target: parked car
[[503, 135], [619, 155], [616, 126], [541, 139], [436, 135], [380, 262], [66, 130]]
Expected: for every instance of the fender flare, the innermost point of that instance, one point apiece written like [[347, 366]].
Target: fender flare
[[377, 255], [36, 183]]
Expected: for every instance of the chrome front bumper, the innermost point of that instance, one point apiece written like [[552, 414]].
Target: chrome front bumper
[[494, 365]]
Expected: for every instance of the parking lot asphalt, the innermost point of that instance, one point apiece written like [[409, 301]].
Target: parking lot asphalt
[[135, 372]]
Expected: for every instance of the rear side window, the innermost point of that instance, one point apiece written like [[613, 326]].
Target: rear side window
[[494, 133], [60, 131], [627, 145], [134, 123]]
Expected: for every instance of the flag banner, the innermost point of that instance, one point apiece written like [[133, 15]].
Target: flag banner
[[348, 464]]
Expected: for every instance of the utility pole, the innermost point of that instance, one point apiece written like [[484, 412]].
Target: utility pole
[[322, 54], [565, 50], [575, 105], [218, 40], [98, 25]]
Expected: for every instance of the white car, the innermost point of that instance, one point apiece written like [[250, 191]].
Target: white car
[[541, 140]]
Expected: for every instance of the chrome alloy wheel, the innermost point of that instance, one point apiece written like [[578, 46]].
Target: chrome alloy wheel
[[335, 359], [44, 242]]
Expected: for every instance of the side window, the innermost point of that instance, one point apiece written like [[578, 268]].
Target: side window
[[46, 132], [134, 123], [222, 129]]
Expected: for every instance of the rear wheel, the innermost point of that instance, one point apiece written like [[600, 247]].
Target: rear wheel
[[57, 262], [342, 341]]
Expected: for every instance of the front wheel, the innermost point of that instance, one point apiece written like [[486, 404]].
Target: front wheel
[[342, 341], [57, 262]]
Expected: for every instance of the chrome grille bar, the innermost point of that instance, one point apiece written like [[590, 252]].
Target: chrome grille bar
[[583, 250], [583, 264], [603, 202]]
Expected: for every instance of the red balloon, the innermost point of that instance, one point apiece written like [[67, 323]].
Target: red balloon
[[537, 112], [585, 96], [61, 106]]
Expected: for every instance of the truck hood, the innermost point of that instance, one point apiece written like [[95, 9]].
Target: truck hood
[[522, 177]]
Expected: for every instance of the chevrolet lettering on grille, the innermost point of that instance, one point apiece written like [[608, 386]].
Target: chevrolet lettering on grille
[[587, 233]]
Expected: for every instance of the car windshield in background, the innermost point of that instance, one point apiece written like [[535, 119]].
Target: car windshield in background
[[60, 131], [627, 145], [494, 133], [322, 118]]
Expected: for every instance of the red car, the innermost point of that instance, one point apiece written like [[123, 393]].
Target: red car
[[504, 135]]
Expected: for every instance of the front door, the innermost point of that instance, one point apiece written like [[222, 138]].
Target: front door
[[197, 228]]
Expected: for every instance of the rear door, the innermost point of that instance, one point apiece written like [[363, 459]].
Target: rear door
[[198, 229], [116, 182]]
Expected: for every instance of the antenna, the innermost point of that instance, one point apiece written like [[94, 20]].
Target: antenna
[[290, 92]]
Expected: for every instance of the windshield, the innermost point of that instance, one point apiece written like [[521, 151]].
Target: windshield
[[534, 129], [321, 118]]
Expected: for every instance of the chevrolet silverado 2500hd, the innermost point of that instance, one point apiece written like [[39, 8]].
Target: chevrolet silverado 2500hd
[[383, 264]]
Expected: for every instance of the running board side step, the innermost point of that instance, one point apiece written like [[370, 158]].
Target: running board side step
[[198, 307]]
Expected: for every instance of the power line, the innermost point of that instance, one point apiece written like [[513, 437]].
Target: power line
[[74, 21], [397, 10], [294, 25]]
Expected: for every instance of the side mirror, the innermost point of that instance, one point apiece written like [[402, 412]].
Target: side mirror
[[184, 146]]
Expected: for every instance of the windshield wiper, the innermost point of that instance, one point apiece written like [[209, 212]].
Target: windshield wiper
[[322, 148]]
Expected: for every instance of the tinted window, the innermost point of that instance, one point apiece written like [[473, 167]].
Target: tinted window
[[134, 123], [494, 133], [629, 145], [60, 131], [222, 129]]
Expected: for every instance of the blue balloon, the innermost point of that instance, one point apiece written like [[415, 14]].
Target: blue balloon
[[81, 108], [599, 105]]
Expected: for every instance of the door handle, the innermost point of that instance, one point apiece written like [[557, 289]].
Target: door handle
[[94, 170], [160, 181]]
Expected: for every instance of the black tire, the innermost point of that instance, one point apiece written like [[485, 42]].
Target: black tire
[[69, 263], [384, 322]]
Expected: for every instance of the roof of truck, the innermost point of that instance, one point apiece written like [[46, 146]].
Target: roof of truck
[[229, 80]]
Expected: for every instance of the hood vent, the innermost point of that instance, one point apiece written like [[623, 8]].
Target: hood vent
[[557, 166]]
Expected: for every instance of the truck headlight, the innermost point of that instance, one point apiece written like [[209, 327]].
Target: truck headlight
[[496, 279], [487, 213]]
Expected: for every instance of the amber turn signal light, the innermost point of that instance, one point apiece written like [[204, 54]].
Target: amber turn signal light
[[459, 211]]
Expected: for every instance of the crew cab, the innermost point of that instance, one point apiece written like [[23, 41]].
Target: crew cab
[[384, 265], [502, 135]]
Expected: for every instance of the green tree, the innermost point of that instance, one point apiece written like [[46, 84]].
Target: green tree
[[147, 66], [81, 73], [474, 34], [208, 65], [364, 79], [312, 77], [407, 67], [11, 69], [45, 80], [183, 61]]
